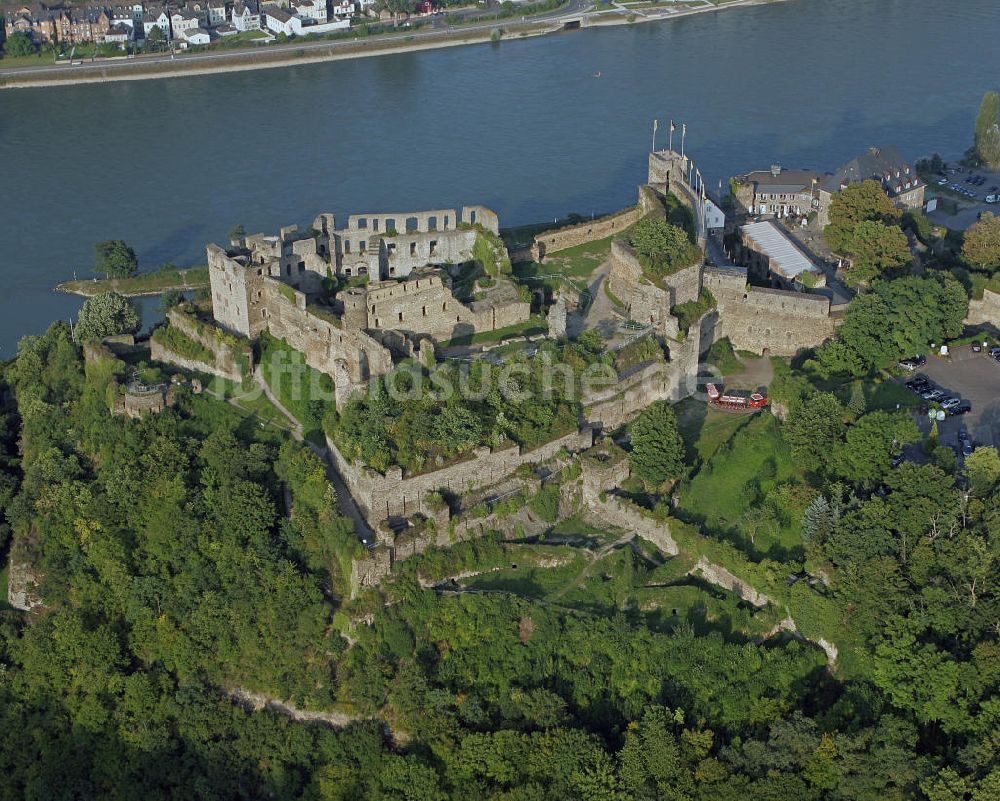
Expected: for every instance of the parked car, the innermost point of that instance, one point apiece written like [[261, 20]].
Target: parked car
[[963, 435], [976, 347], [950, 403], [932, 394], [897, 460], [995, 351], [942, 181], [967, 448], [964, 407], [990, 198]]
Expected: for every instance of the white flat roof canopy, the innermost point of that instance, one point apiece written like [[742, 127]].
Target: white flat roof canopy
[[784, 257]]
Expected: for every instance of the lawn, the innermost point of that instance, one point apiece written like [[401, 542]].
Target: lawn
[[150, 283], [705, 429], [751, 493], [530, 327], [306, 393], [579, 261]]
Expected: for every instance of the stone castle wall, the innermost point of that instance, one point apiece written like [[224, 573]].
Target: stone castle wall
[[391, 495], [425, 305], [985, 311], [670, 381], [326, 345], [229, 361], [777, 321], [601, 228]]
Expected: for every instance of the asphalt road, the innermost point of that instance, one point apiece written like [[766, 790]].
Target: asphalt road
[[573, 9]]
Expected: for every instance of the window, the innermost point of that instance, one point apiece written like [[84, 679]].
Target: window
[[424, 310], [302, 267], [434, 246], [413, 248], [400, 317], [347, 246]]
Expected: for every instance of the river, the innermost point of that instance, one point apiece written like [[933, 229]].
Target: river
[[523, 126]]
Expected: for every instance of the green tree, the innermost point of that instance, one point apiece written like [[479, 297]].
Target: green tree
[[865, 201], [987, 142], [105, 315], [865, 454], [19, 43], [169, 299], [857, 403], [664, 248], [983, 468], [898, 318], [115, 259], [155, 35], [657, 448], [815, 424], [981, 245], [874, 248]]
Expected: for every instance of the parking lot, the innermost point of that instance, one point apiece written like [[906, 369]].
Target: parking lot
[[974, 377], [980, 182]]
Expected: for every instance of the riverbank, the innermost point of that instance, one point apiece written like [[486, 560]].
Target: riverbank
[[313, 52], [141, 284]]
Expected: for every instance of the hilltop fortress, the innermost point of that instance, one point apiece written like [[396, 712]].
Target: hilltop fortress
[[396, 287], [357, 299]]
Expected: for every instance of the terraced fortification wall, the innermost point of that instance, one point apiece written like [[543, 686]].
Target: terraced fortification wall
[[391, 495], [985, 311], [777, 321]]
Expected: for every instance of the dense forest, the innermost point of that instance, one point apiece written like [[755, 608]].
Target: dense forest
[[187, 557]]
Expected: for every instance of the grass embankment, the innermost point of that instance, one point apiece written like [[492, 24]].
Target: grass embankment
[[530, 327], [750, 493], [152, 283], [306, 393]]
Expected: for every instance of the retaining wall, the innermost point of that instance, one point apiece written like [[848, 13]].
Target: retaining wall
[[381, 496], [985, 311]]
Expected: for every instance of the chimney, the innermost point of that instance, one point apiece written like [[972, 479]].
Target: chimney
[[775, 170]]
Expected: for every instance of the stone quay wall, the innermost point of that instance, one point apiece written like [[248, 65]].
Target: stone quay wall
[[985, 311], [381, 496], [780, 322]]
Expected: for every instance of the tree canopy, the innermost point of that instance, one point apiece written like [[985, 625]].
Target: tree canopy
[[105, 315], [657, 448], [864, 225], [664, 248], [115, 259], [981, 245], [19, 43], [896, 319]]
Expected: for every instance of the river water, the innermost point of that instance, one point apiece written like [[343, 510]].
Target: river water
[[523, 126]]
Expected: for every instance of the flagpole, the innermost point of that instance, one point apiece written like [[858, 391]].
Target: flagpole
[[684, 130], [656, 124], [670, 147]]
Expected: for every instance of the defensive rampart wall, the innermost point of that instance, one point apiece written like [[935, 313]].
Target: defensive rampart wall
[[391, 495]]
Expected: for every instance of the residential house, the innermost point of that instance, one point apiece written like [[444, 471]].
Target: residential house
[[83, 24], [781, 192], [216, 13], [342, 8], [278, 20], [885, 165], [246, 16], [118, 34], [195, 36], [156, 17], [36, 20], [314, 10], [183, 21], [225, 30]]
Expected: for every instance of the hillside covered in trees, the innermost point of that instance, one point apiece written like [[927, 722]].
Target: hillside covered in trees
[[191, 558]]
